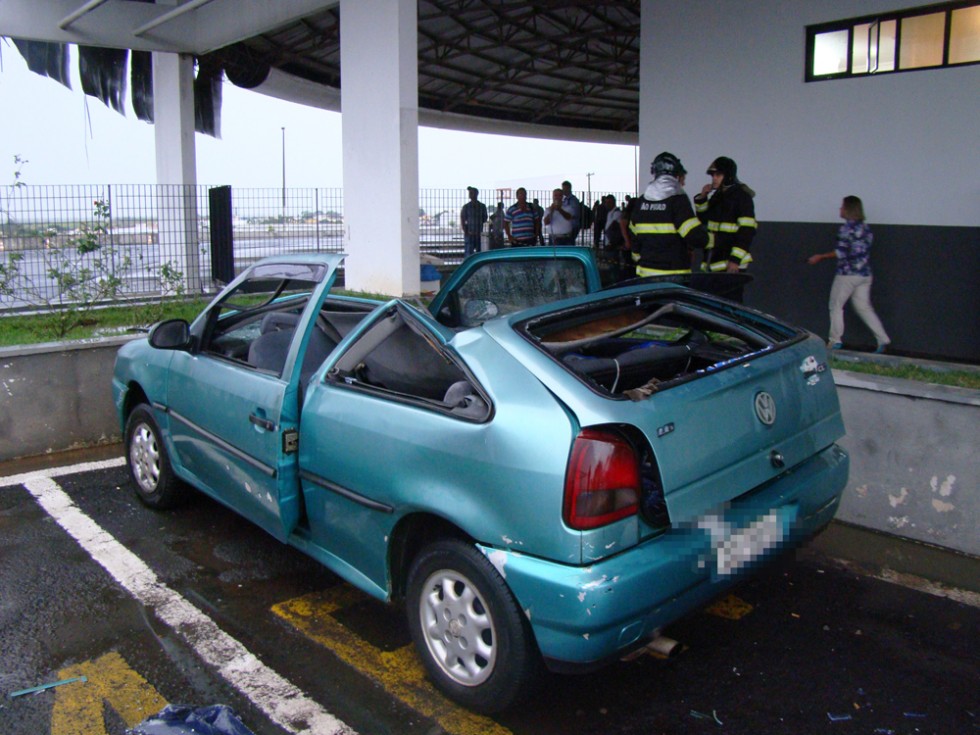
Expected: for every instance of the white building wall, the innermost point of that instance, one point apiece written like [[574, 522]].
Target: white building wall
[[725, 77]]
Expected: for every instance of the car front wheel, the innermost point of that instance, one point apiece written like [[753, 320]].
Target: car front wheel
[[473, 639], [149, 465]]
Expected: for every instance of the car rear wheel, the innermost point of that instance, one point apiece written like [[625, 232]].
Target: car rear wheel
[[149, 465], [473, 639]]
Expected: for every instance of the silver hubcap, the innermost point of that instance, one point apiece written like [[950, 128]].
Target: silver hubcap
[[458, 628], [144, 457]]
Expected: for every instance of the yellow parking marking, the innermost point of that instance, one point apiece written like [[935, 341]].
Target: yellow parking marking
[[730, 607], [78, 709], [399, 671]]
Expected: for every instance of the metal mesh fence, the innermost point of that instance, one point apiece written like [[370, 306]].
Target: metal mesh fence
[[148, 235]]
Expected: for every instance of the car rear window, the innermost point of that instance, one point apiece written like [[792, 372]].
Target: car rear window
[[637, 345]]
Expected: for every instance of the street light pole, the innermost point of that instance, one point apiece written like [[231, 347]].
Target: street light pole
[[284, 174], [588, 178]]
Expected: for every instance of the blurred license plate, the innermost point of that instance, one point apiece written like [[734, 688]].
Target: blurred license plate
[[749, 543]]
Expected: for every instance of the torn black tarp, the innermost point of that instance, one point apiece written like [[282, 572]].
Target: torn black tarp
[[207, 97], [46, 59], [103, 73], [176, 719], [141, 85]]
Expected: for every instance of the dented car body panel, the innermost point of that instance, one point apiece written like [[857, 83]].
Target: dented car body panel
[[584, 616], [358, 431]]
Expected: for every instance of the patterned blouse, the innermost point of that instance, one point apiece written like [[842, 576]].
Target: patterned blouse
[[854, 249]]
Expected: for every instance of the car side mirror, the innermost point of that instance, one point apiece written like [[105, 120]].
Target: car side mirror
[[173, 334], [477, 311]]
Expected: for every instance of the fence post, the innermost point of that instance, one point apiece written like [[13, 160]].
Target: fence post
[[222, 234], [112, 237]]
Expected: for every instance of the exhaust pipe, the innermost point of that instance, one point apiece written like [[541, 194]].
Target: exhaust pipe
[[660, 647], [663, 647]]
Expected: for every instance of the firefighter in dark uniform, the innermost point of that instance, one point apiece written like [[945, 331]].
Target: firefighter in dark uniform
[[726, 208], [662, 229]]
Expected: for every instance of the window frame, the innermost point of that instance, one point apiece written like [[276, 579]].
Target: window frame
[[343, 372], [849, 24]]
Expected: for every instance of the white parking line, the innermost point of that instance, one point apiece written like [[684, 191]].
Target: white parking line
[[283, 702], [25, 477]]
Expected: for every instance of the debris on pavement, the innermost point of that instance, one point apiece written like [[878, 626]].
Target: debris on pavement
[[703, 716], [44, 687]]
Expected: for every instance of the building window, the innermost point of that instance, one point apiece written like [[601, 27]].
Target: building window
[[916, 38], [964, 36]]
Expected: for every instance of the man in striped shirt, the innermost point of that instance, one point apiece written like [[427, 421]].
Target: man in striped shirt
[[521, 222]]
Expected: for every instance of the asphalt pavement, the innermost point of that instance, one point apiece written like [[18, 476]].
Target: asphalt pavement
[[124, 609]]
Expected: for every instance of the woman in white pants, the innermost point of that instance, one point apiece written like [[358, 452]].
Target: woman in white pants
[[853, 279]]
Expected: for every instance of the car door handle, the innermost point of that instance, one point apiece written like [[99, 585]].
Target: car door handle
[[262, 423]]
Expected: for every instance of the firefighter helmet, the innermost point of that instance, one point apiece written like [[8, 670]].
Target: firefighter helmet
[[727, 168], [667, 164]]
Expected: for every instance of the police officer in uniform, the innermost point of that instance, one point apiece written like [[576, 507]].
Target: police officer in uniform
[[662, 229]]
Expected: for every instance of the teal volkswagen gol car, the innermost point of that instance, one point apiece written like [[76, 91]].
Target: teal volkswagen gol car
[[543, 473]]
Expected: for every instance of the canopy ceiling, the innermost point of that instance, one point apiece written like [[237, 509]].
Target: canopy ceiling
[[568, 64]]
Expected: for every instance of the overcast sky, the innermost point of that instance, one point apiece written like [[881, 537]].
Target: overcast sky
[[70, 138]]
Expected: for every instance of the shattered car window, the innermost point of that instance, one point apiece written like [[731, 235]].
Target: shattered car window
[[514, 285], [253, 325]]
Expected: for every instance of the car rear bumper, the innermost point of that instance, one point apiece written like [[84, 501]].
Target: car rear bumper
[[583, 616]]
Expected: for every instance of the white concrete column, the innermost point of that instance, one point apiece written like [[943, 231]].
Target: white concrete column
[[176, 163], [380, 111]]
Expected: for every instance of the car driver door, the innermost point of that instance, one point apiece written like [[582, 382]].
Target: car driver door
[[233, 403]]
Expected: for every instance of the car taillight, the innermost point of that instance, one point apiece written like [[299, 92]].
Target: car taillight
[[602, 483]]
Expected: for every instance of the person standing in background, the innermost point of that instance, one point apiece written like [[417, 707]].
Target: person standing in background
[[560, 219], [573, 206], [598, 222], [497, 227], [472, 217], [521, 222], [539, 212]]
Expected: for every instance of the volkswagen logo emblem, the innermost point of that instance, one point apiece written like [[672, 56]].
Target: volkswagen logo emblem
[[765, 408]]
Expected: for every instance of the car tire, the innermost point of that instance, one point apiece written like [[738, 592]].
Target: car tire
[[471, 635], [149, 466]]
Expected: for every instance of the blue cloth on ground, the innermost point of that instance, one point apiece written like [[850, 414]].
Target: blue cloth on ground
[[177, 719]]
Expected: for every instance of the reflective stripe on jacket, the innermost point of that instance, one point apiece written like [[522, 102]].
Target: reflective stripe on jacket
[[664, 233]]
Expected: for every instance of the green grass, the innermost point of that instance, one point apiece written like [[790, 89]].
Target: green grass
[[33, 329], [956, 378]]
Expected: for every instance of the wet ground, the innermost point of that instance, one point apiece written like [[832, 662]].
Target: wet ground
[[807, 647]]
